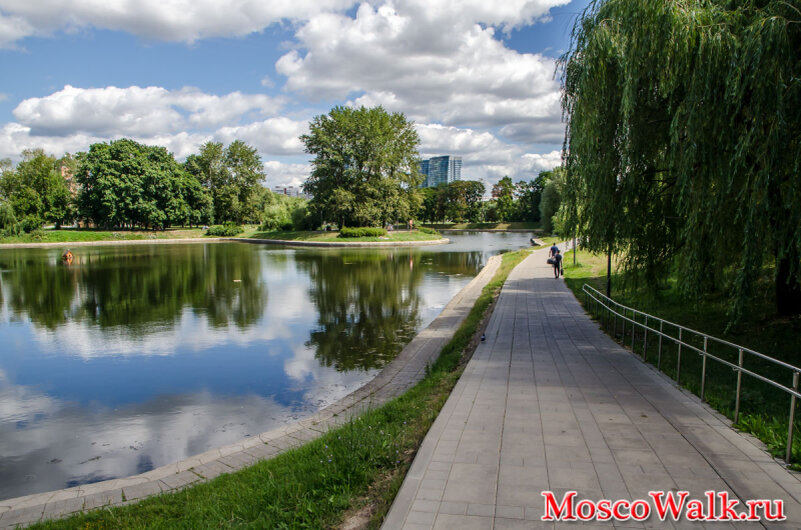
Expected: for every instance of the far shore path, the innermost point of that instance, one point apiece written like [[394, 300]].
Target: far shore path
[[551, 403]]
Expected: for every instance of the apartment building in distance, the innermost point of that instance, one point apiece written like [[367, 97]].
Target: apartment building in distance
[[441, 170], [291, 191]]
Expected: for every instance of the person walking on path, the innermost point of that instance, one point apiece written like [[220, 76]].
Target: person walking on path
[[555, 259]]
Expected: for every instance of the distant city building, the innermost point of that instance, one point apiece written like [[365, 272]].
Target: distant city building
[[291, 191], [69, 179], [424, 165], [441, 170]]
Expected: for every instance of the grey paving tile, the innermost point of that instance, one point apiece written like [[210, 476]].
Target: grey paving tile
[[462, 522], [140, 491], [587, 415]]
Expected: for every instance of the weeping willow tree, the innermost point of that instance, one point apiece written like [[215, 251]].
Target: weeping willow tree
[[683, 143]]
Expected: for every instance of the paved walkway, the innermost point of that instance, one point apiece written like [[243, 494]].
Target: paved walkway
[[549, 402]]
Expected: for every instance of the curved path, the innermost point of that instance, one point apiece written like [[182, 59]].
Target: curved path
[[404, 371], [550, 403]]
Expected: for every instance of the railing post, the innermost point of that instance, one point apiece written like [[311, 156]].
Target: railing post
[[614, 333], [678, 361], [633, 328], [739, 383], [703, 370], [792, 421], [659, 351], [645, 340], [623, 335]]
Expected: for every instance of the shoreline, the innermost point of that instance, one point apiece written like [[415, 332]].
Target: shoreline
[[403, 372], [283, 242], [518, 230], [330, 244]]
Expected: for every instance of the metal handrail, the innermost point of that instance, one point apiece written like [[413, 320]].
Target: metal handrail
[[617, 311]]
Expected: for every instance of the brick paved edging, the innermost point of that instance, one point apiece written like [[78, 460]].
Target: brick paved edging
[[404, 371]]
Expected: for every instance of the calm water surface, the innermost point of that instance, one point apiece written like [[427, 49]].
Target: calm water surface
[[138, 356]]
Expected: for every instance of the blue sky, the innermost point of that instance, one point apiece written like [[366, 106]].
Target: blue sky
[[476, 77]]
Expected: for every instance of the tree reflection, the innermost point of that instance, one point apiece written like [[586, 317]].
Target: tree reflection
[[136, 286], [369, 301]]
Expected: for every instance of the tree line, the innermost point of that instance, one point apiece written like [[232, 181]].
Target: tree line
[[537, 200], [683, 144], [125, 184], [365, 172]]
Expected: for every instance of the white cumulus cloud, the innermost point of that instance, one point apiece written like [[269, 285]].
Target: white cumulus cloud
[[171, 20], [285, 174], [398, 55], [136, 110], [274, 136]]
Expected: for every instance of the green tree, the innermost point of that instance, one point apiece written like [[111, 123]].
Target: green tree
[[503, 192], [528, 195], [36, 190], [127, 184], [365, 167], [683, 141], [551, 200], [233, 176]]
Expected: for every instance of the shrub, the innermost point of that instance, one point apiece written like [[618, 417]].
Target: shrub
[[303, 219], [8, 221], [31, 223], [276, 216], [426, 230], [229, 229], [364, 231]]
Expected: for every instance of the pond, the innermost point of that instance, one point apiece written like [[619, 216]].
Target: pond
[[136, 356]]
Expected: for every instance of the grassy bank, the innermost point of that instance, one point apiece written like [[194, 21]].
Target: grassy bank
[[764, 410], [73, 235], [333, 237], [485, 226], [70, 235], [351, 472]]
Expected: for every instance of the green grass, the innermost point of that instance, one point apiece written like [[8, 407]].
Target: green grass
[[360, 464], [332, 237], [485, 226], [71, 235], [764, 410]]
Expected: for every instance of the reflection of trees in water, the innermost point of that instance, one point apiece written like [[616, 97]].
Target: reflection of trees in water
[[369, 301], [466, 263], [368, 305], [137, 286]]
